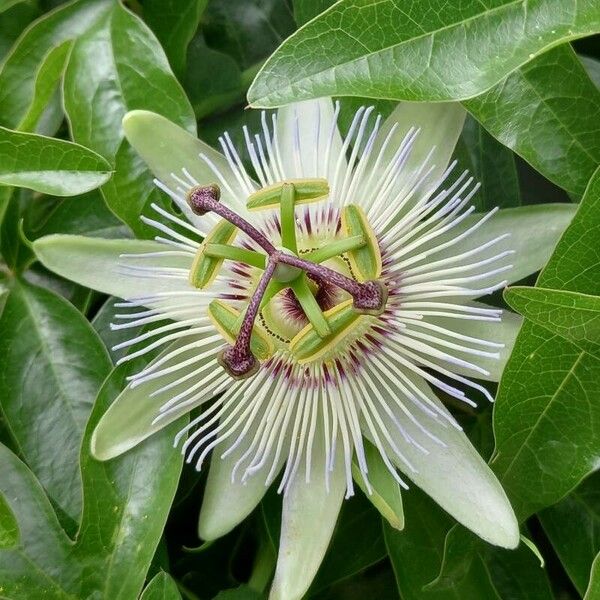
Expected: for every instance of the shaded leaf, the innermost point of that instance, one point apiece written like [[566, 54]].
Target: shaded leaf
[[573, 526], [247, 30], [126, 503], [572, 315], [174, 22], [548, 113], [162, 587], [404, 51], [546, 419], [49, 165], [492, 165], [52, 367], [18, 73]]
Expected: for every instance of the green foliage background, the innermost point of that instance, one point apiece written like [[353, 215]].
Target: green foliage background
[[71, 527]]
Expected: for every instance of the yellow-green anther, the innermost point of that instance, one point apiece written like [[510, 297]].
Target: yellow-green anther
[[335, 248], [227, 320], [288, 217], [205, 268], [306, 190], [366, 260], [308, 345], [310, 306], [243, 255]]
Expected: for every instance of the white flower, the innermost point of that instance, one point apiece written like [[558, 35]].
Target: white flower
[[370, 264]]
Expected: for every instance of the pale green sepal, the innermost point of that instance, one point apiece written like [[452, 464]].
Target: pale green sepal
[[96, 263], [167, 148], [129, 419], [308, 520], [385, 492], [455, 476], [314, 122]]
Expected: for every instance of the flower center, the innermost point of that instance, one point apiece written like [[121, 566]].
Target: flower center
[[332, 303]]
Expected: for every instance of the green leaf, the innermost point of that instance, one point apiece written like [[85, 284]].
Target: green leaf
[[174, 23], [547, 112], [162, 587], [573, 526], [9, 529], [52, 367], [305, 10], [546, 416], [416, 554], [247, 30], [13, 22], [6, 4], [126, 503], [46, 89], [492, 165], [574, 316], [594, 588], [384, 49], [115, 67], [19, 72], [48, 165], [240, 593]]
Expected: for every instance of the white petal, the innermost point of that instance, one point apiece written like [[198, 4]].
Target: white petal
[[455, 476], [308, 520], [309, 141]]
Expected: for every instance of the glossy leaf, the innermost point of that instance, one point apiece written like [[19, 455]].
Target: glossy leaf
[[382, 49], [48, 165], [174, 23], [52, 368], [573, 526], [547, 112], [42, 115], [6, 4], [571, 315], [18, 73], [162, 587], [126, 503], [116, 67], [546, 417]]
